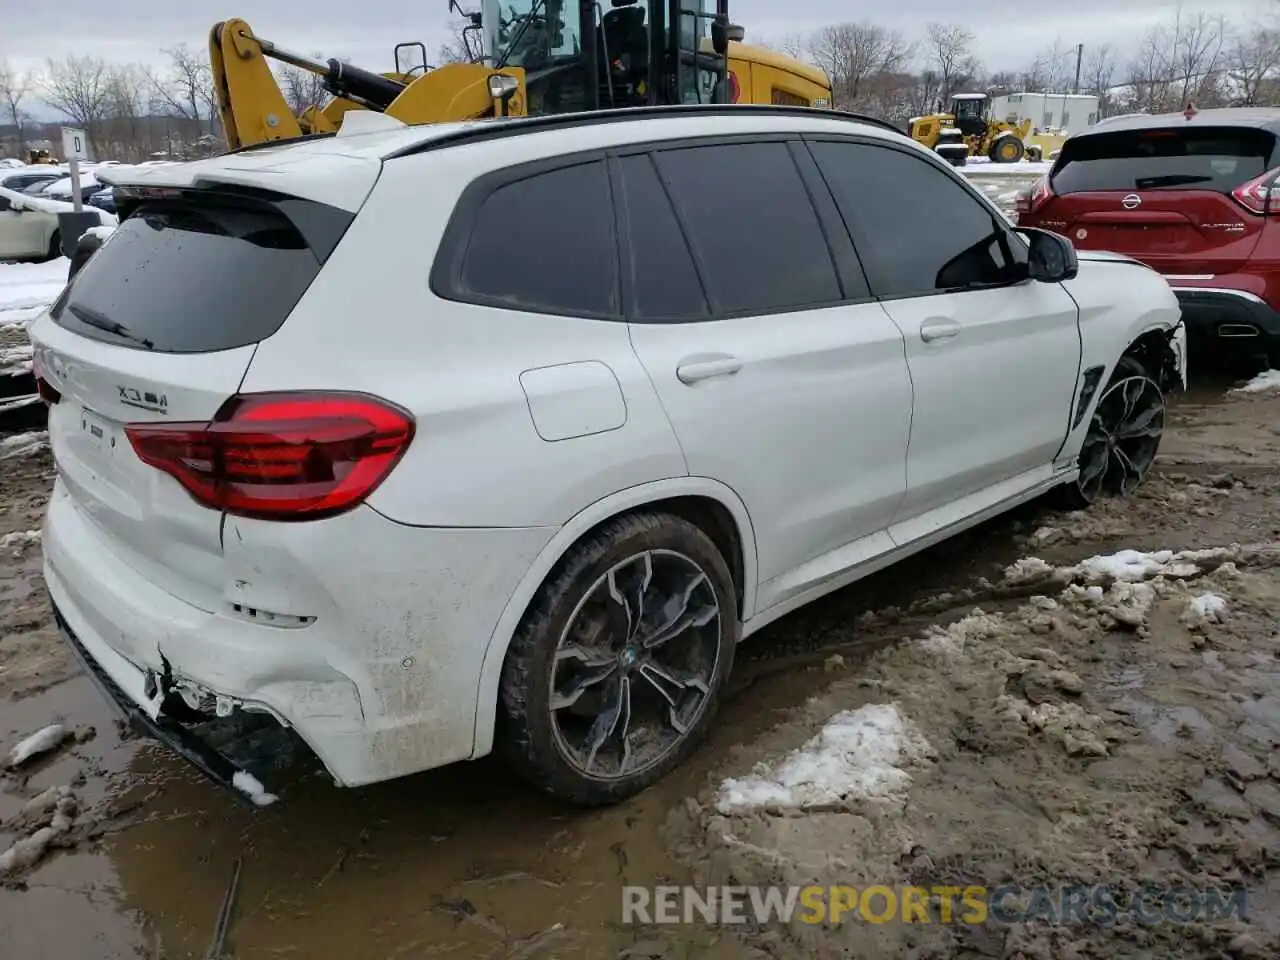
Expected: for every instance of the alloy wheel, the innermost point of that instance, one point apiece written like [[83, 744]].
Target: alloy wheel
[[634, 666], [1124, 435]]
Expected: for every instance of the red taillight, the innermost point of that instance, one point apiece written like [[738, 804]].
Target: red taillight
[[1255, 196], [48, 393], [1033, 198], [281, 456]]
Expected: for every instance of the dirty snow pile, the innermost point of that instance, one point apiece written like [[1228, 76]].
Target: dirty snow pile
[[46, 819], [859, 755], [23, 444], [1266, 381]]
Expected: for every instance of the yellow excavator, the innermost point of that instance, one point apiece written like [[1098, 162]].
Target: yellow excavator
[[525, 57]]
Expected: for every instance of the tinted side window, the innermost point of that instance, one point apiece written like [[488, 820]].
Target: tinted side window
[[752, 226], [546, 243], [916, 230], [664, 281]]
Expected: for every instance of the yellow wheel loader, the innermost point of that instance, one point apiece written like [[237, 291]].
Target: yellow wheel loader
[[968, 131], [543, 56]]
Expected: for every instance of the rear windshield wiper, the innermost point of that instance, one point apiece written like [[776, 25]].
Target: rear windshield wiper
[[1172, 180], [94, 319]]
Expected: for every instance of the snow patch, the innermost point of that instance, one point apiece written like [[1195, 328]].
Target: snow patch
[[1267, 380], [953, 638], [858, 755], [42, 741], [252, 788], [1205, 609], [23, 444], [19, 539]]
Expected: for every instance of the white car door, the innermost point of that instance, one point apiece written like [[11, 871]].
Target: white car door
[[994, 360], [782, 378], [11, 229]]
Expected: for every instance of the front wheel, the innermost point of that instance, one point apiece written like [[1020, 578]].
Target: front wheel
[[616, 671], [1123, 437]]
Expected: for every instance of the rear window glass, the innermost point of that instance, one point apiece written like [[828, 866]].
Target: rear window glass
[[1203, 158], [180, 277]]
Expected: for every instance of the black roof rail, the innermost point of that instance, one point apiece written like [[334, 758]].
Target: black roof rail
[[511, 126]]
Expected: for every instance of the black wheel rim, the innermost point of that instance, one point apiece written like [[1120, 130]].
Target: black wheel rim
[[1123, 438], [634, 666]]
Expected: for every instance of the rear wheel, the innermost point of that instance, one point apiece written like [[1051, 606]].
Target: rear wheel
[[55, 245], [617, 669], [1123, 437]]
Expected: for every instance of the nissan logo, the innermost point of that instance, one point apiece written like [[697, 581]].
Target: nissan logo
[[1131, 202]]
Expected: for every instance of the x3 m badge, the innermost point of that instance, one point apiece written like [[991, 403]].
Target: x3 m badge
[[142, 399]]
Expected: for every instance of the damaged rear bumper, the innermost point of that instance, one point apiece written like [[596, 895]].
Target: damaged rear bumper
[[165, 729]]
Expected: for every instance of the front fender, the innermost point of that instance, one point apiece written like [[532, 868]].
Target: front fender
[[1120, 301], [569, 534]]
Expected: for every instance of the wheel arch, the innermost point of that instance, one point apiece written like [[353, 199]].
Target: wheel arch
[[1153, 348], [709, 504]]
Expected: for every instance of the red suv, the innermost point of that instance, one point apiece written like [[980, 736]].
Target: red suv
[[1188, 194]]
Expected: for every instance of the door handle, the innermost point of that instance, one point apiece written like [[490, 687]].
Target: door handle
[[695, 370], [932, 330]]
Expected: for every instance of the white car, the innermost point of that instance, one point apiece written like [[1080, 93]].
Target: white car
[[426, 441], [28, 227]]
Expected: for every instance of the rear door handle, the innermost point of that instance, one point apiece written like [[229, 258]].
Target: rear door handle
[[692, 371], [939, 329]]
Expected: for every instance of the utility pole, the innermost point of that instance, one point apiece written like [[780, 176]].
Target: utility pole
[[1079, 60]]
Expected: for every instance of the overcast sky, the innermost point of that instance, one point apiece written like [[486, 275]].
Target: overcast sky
[[1008, 33]]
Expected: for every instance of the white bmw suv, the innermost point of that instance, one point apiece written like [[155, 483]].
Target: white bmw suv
[[428, 441]]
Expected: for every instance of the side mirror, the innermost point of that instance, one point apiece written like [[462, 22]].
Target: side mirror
[[723, 33], [1052, 258]]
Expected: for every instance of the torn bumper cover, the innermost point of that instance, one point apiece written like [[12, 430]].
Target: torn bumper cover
[[164, 728]]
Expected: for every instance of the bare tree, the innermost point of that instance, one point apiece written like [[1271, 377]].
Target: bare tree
[[465, 44], [1197, 52], [792, 44], [950, 57], [13, 90], [79, 87], [185, 88], [302, 88], [1252, 64], [1052, 70], [852, 53], [125, 130]]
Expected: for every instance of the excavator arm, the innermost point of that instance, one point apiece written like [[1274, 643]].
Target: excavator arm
[[254, 110]]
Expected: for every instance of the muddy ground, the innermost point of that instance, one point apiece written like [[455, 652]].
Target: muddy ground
[[1076, 730]]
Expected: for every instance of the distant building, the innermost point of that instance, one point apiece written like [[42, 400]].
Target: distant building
[[1051, 113]]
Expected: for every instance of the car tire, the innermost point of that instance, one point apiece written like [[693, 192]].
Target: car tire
[[55, 245], [618, 665], [1123, 438]]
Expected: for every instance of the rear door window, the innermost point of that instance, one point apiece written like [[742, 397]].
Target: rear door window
[[664, 283], [1195, 158], [197, 275], [752, 226]]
